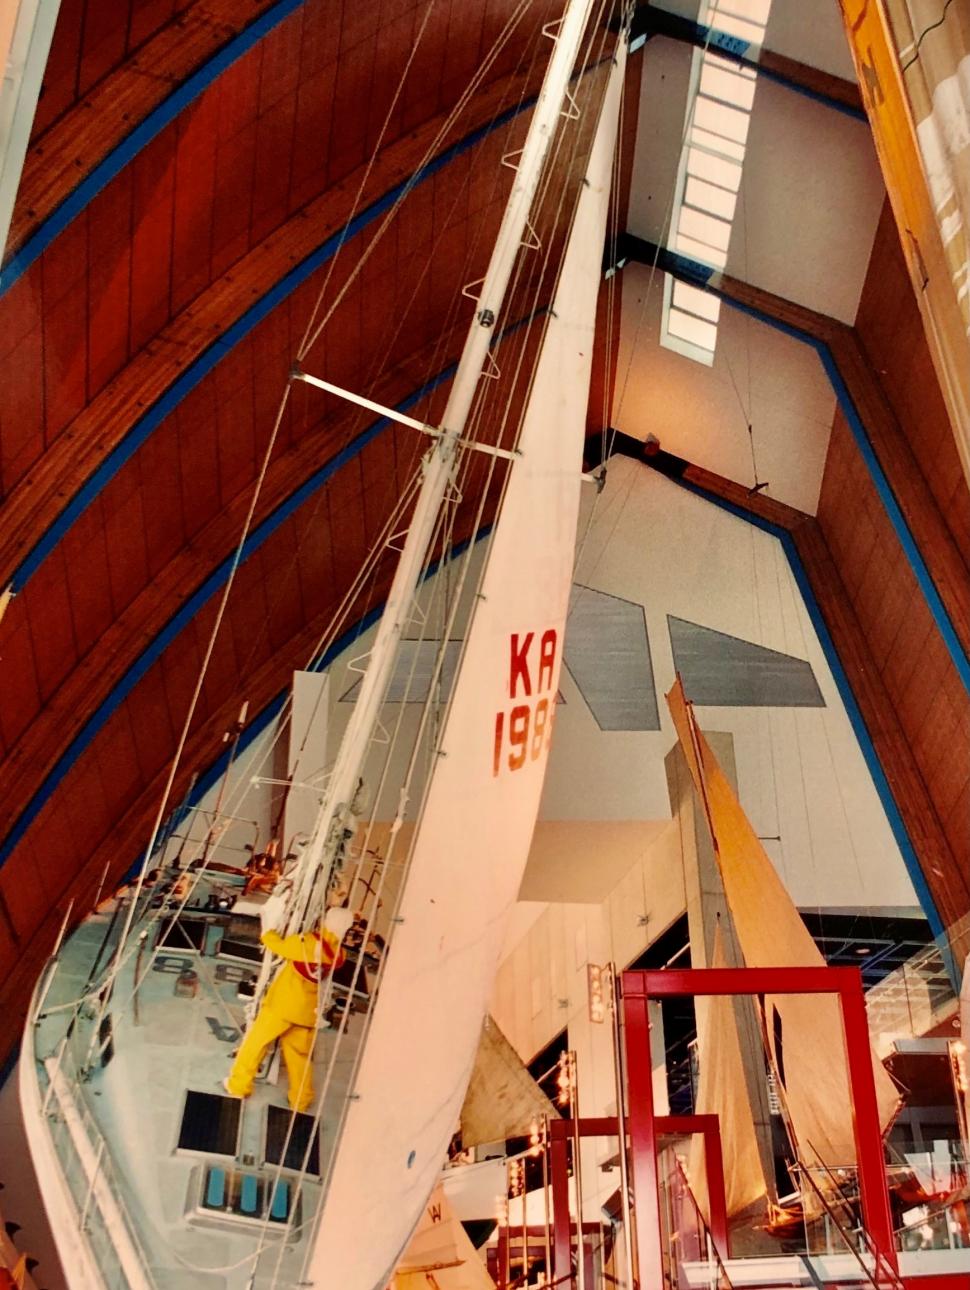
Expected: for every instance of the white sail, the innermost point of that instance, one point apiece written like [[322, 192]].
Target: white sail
[[476, 824]]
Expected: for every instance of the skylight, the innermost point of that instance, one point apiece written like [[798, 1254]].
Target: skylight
[[718, 115]]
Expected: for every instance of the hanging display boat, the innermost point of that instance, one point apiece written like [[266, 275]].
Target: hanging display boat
[[165, 1164]]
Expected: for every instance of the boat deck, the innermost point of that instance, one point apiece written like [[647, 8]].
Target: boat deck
[[165, 1170]]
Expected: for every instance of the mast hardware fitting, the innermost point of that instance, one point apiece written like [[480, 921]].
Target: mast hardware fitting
[[510, 454]]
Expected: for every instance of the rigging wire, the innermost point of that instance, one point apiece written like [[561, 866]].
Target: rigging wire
[[466, 96], [924, 33], [449, 517], [361, 187], [490, 469]]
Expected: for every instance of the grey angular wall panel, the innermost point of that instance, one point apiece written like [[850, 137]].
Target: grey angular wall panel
[[721, 671], [608, 656]]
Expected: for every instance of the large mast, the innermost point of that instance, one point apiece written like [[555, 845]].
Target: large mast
[[440, 460]]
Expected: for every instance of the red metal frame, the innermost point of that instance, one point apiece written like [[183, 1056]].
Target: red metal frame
[[563, 1131], [638, 988]]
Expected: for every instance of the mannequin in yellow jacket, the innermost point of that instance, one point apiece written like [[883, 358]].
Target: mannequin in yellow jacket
[[289, 1010]]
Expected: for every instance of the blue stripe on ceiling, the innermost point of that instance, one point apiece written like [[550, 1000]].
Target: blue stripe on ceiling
[[205, 363], [140, 137], [6, 1070], [210, 777], [744, 54], [216, 580], [844, 687], [213, 583], [689, 270]]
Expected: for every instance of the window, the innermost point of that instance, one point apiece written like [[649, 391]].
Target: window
[[718, 115]]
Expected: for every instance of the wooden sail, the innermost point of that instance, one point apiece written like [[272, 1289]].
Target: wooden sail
[[440, 1255], [804, 1032], [503, 1100], [478, 814], [722, 1092]]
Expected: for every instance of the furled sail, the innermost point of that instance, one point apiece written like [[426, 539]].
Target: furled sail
[[475, 826], [722, 1092], [804, 1032], [440, 1255], [503, 1100]]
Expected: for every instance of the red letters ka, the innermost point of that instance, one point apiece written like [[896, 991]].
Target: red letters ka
[[520, 664]]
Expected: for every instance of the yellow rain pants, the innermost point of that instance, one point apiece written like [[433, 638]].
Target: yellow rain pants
[[289, 1014]]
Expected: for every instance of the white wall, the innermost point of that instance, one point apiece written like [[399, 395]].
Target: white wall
[[812, 190], [760, 375], [801, 773], [809, 203], [810, 33]]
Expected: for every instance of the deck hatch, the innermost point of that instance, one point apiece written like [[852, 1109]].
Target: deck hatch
[[210, 1123], [304, 1134], [184, 934], [231, 948]]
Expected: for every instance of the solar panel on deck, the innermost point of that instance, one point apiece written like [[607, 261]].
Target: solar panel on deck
[[303, 1133], [210, 1122]]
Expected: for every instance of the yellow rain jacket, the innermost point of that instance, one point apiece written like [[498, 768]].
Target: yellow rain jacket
[[311, 956], [288, 1014]]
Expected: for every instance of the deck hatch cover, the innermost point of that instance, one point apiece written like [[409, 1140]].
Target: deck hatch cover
[[304, 1134], [233, 949], [184, 934], [210, 1123]]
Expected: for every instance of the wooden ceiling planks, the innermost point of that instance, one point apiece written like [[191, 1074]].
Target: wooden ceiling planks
[[155, 48], [111, 634], [54, 652], [109, 261], [909, 661], [130, 545], [108, 413], [85, 552], [21, 701], [891, 334], [59, 85], [25, 892]]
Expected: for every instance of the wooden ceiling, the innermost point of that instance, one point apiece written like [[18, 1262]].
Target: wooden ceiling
[[193, 170], [147, 338]]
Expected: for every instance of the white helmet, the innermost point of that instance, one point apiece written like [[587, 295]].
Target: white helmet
[[338, 921]]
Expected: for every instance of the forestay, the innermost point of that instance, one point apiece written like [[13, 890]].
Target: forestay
[[476, 824]]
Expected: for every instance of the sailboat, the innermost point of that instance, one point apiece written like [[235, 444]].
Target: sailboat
[[802, 1034], [153, 1175]]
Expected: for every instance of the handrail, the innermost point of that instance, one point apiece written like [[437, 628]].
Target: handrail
[[91, 1152], [883, 1269], [937, 1211]]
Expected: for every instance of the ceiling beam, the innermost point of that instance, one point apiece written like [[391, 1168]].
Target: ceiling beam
[[833, 91]]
